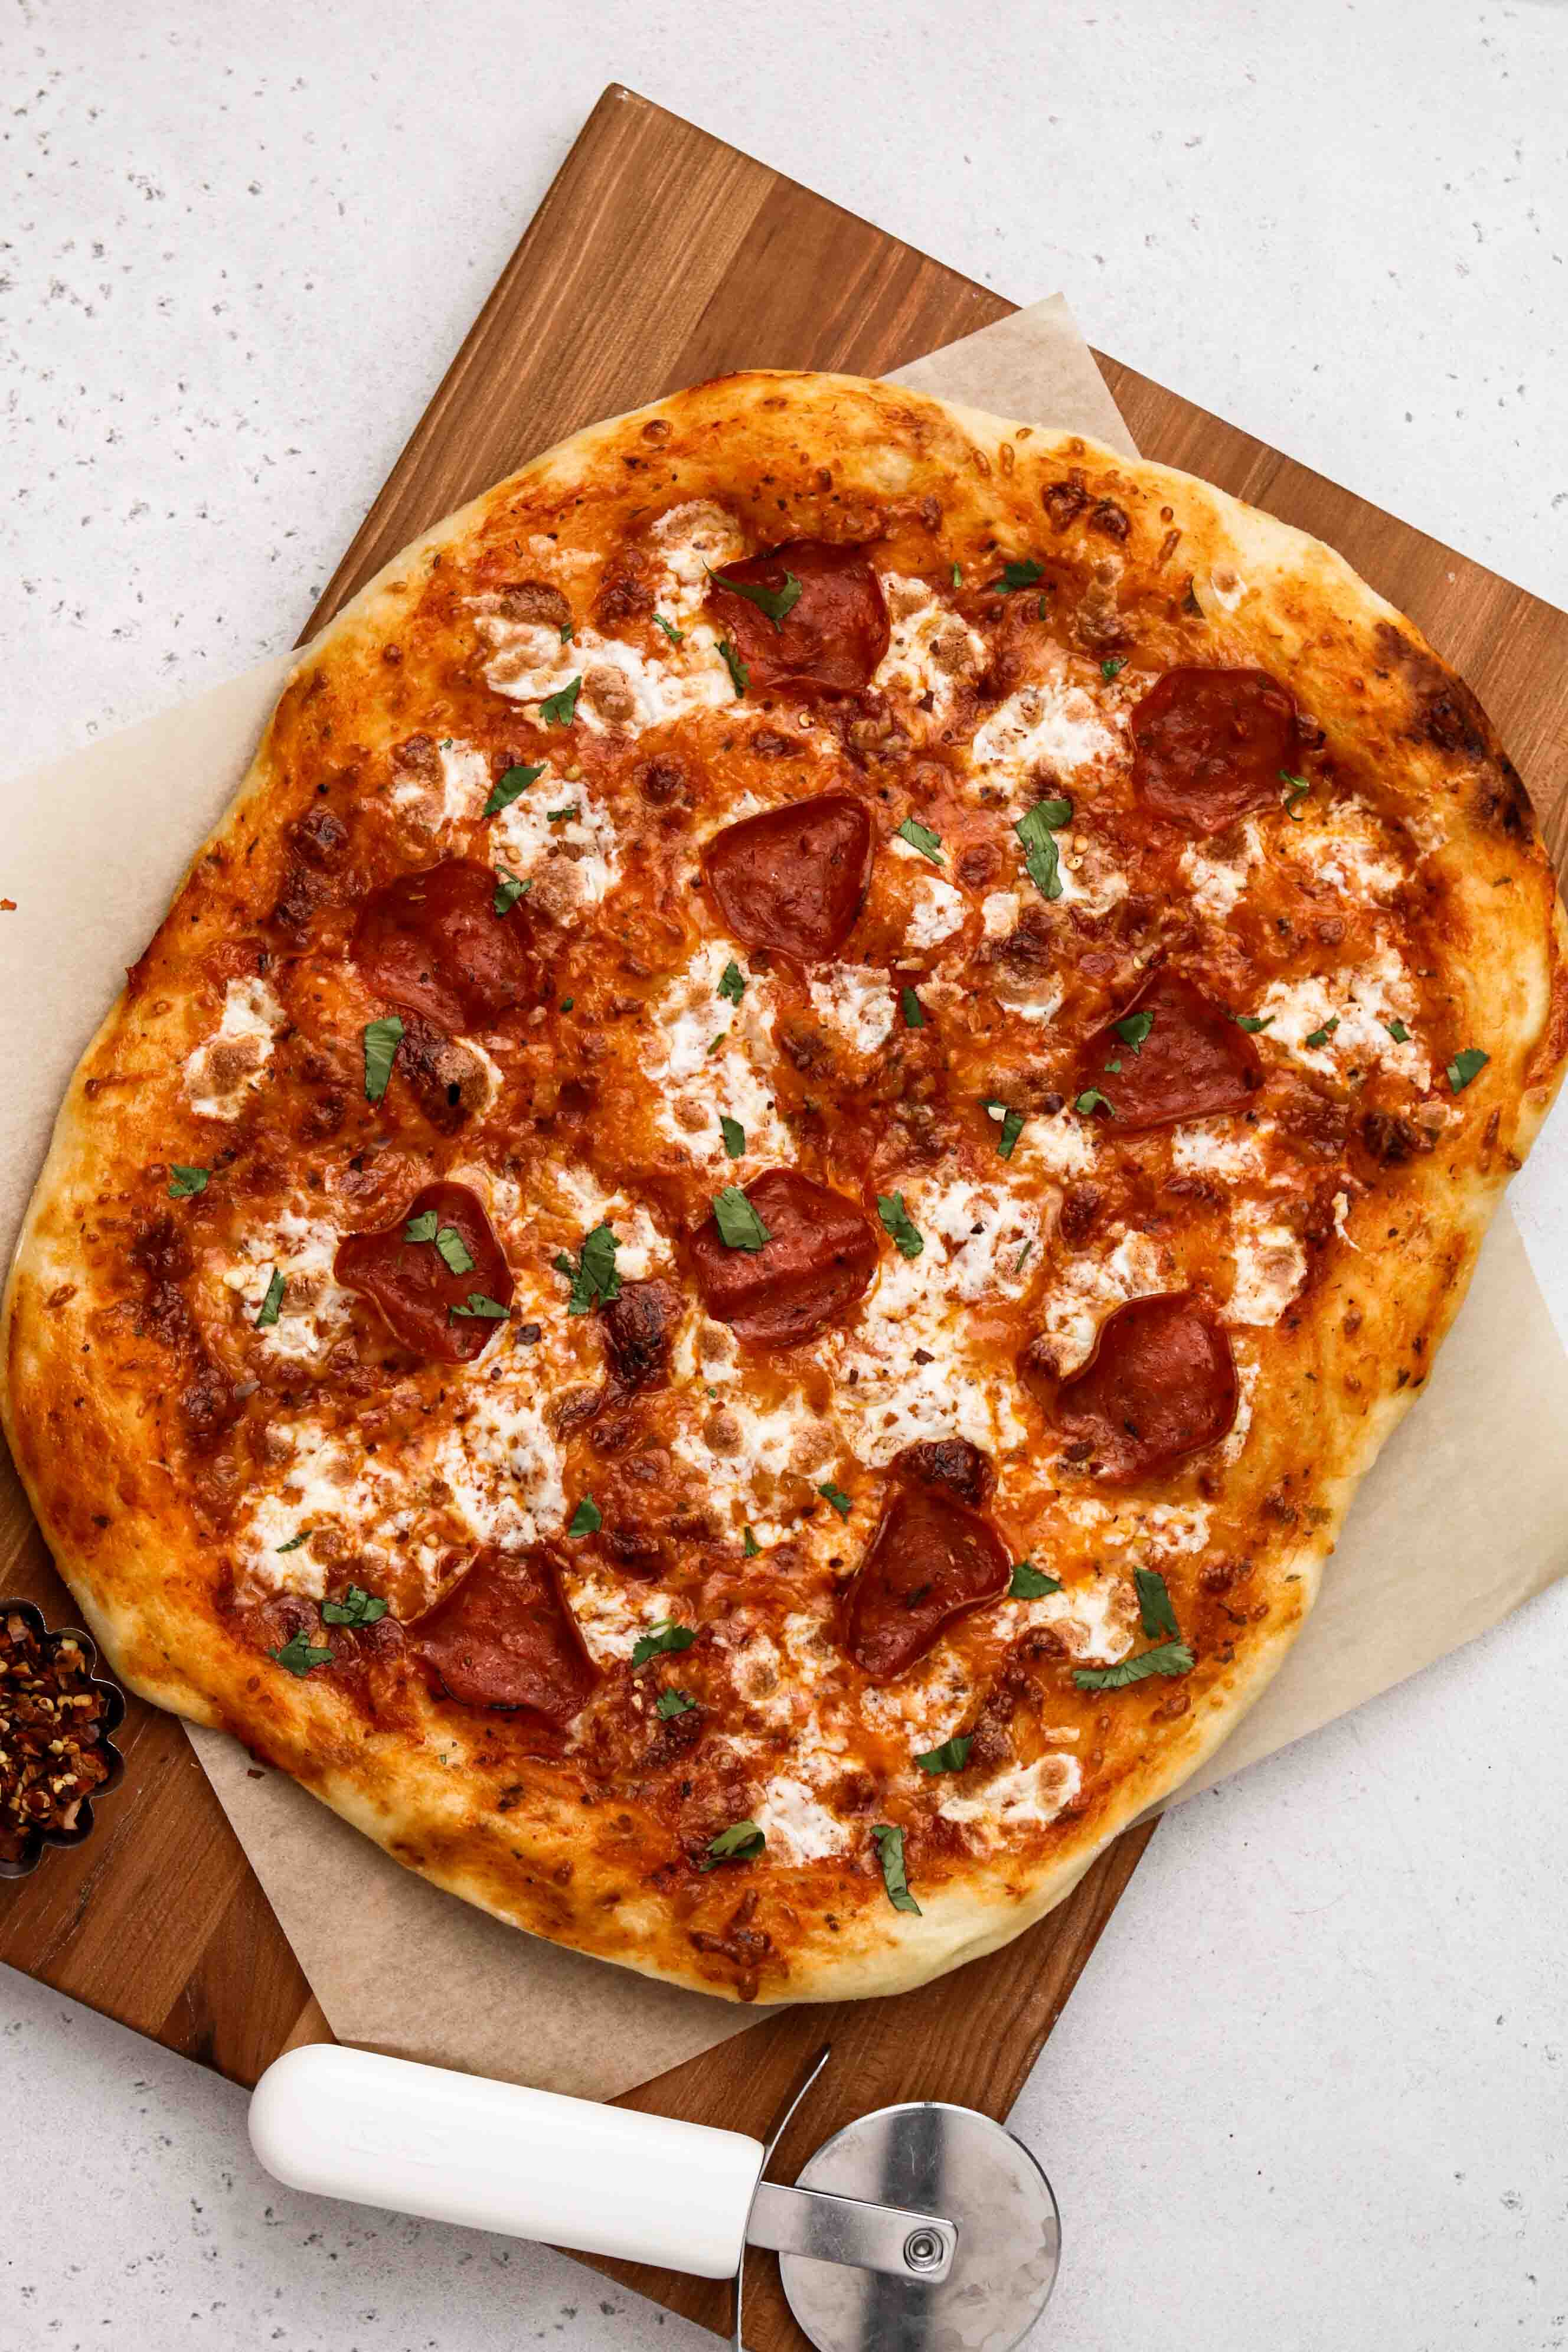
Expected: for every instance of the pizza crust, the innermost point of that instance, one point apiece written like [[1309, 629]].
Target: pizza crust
[[115, 1499]]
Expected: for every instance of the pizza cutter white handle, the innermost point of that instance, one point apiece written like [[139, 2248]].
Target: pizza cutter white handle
[[382, 2131]]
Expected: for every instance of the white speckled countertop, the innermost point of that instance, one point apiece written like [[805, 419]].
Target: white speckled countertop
[[1313, 2087]]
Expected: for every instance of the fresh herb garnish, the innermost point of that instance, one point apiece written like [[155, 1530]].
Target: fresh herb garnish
[[1031, 1583], [950, 1757], [750, 1548], [671, 1703], [1091, 1100], [1133, 1029], [559, 709], [357, 1607], [556, 816], [739, 676], [586, 1519], [421, 1228], [1037, 829], [594, 1278], [184, 1183], [676, 636], [382, 1039], [1012, 1125], [1297, 789], [734, 1136], [479, 1308], [1465, 1067], [1320, 1036], [1112, 1069], [294, 1542], [567, 1002], [836, 1497], [664, 1635], [899, 1223], [506, 788], [454, 1250], [1170, 1658], [732, 981], [298, 1655], [1113, 668], [1253, 1022], [1397, 1031], [922, 837], [740, 1227], [958, 575], [1021, 573], [914, 1010], [890, 1854], [1155, 1605], [272, 1302], [742, 1843], [509, 889], [773, 604]]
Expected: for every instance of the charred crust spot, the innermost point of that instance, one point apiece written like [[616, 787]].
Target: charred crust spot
[[1109, 520], [1079, 1211], [660, 781], [448, 1081], [951, 1463], [624, 595], [1391, 1139], [1064, 501]]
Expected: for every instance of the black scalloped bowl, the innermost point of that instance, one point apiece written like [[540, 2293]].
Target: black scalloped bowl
[[110, 1722]]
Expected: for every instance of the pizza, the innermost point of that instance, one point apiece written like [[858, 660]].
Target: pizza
[[729, 1266]]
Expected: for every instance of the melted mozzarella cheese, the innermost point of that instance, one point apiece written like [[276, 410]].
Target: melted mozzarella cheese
[[1090, 1287], [1057, 1144], [1348, 851], [743, 1449], [999, 913], [938, 910], [573, 863], [690, 541], [1088, 880], [887, 1397], [857, 1003], [1052, 726], [504, 1467], [581, 1200], [924, 1706], [1216, 883], [219, 1075], [1360, 1004], [713, 1057], [612, 1613], [1154, 1527], [459, 794], [621, 687], [798, 1828], [928, 645], [987, 1236], [1270, 1265], [313, 1308], [1225, 1147], [1027, 1797]]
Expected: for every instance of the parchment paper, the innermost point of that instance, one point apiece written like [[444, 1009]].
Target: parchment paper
[[1427, 1562]]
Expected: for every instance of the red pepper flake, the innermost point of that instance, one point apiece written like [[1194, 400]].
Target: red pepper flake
[[51, 1714]]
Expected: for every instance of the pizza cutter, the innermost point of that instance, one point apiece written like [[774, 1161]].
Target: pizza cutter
[[922, 2228]]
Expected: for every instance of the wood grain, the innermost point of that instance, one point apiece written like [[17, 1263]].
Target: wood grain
[[659, 257]]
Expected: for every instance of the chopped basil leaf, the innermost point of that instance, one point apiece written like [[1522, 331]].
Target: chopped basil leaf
[[741, 1842], [773, 604], [750, 1548], [1133, 1029], [732, 981], [1091, 1100], [1155, 1605], [739, 676], [837, 1497], [272, 1302], [554, 816], [664, 1635], [454, 1251], [594, 1278], [734, 1136], [1013, 1122], [1019, 1261], [559, 709], [1253, 1022], [740, 1227], [1112, 1069], [922, 837], [890, 1854], [958, 575], [482, 1310], [1031, 1583], [294, 1542], [566, 632], [357, 1607], [1113, 668], [184, 1183], [567, 1002], [1465, 1067], [297, 1655], [1022, 573], [1320, 1036], [382, 1039], [950, 1757], [1398, 1032], [914, 1010], [899, 1223], [421, 1228], [586, 1519], [1037, 829], [506, 788], [676, 636], [670, 1703], [1297, 790], [1170, 1658], [509, 889], [1040, 610]]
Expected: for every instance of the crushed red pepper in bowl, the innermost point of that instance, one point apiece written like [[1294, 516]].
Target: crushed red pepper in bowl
[[56, 1718]]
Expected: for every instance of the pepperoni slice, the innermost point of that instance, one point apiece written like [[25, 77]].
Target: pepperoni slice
[[793, 878], [1193, 1063], [434, 943], [1159, 1383], [833, 636], [818, 1260], [505, 1637], [415, 1288], [932, 1560], [1209, 745]]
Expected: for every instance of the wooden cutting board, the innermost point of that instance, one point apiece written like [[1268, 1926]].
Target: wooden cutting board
[[659, 257]]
